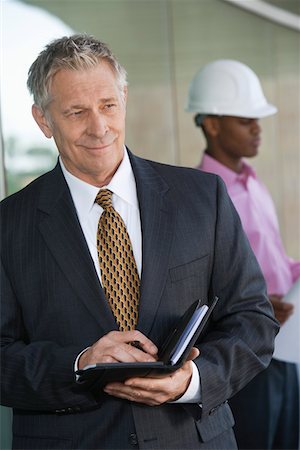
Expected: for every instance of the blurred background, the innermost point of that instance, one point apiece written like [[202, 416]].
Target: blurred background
[[161, 43]]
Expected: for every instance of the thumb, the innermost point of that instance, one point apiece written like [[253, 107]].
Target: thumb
[[194, 353]]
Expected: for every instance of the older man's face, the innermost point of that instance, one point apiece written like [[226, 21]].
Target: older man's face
[[86, 118]]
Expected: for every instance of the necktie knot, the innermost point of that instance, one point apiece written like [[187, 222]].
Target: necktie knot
[[104, 198]]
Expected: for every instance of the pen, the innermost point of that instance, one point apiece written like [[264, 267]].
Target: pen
[[137, 344]]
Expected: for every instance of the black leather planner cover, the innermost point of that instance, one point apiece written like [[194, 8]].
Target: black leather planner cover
[[172, 356]]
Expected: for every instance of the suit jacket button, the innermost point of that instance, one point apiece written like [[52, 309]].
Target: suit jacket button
[[132, 439], [60, 411]]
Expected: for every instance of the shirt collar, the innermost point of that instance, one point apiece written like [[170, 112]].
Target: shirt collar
[[122, 184], [209, 164]]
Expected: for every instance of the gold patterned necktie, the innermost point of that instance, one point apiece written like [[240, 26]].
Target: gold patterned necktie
[[120, 279]]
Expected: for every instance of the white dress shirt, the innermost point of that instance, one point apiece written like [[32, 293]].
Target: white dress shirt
[[125, 202]]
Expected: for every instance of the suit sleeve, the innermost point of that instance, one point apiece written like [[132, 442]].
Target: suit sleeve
[[37, 375], [240, 340]]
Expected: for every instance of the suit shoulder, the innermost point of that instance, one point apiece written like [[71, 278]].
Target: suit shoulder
[[175, 169], [180, 179], [185, 174]]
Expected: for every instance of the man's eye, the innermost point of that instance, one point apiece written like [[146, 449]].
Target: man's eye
[[110, 106], [77, 113]]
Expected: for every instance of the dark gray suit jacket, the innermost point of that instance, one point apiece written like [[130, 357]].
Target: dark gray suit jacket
[[53, 307]]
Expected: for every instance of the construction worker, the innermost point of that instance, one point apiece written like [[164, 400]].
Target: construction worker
[[227, 101]]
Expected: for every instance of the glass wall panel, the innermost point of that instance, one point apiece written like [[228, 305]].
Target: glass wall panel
[[25, 31]]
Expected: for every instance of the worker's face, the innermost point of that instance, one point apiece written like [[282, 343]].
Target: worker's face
[[86, 117], [238, 137]]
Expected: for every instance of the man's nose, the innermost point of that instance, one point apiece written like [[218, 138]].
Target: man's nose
[[97, 124], [256, 128]]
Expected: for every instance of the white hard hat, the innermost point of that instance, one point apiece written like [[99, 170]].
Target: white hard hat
[[230, 88]]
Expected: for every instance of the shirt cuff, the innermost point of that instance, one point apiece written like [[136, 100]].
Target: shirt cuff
[[76, 362], [193, 392]]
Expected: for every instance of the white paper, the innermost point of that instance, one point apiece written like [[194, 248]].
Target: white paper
[[287, 342], [184, 340]]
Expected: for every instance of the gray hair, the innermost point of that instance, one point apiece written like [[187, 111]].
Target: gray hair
[[76, 52]]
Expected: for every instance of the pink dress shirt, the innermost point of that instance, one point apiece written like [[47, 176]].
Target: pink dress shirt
[[257, 212]]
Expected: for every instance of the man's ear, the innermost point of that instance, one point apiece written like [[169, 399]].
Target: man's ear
[[41, 120], [211, 125]]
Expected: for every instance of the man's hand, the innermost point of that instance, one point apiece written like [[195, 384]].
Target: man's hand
[[115, 347], [282, 309], [155, 390]]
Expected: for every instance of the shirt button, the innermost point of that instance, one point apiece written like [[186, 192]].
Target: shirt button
[[132, 439]]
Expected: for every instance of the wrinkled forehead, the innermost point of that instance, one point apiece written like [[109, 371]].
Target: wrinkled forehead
[[98, 81]]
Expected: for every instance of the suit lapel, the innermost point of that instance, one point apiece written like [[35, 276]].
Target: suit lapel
[[158, 221], [62, 233]]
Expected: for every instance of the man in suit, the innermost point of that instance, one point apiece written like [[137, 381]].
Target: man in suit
[[187, 243]]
